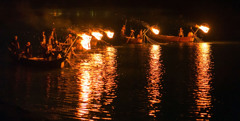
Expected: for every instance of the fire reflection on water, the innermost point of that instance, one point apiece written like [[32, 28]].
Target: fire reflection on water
[[203, 78], [97, 84], [154, 79]]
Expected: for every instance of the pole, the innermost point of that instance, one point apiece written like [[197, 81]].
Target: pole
[[68, 50]]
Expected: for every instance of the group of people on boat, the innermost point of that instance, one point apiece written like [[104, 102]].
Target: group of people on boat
[[49, 50], [131, 38], [14, 48], [181, 34]]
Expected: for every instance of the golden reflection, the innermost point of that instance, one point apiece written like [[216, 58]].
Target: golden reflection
[[84, 93], [97, 86], [203, 77], [154, 79]]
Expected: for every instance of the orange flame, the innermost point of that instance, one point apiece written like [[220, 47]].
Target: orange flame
[[205, 29], [97, 35], [85, 41], [109, 34], [155, 31]]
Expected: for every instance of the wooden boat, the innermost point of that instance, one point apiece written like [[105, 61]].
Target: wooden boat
[[38, 62], [41, 62], [166, 38], [133, 40]]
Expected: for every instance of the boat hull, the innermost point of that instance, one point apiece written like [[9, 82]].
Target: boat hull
[[167, 38], [38, 62]]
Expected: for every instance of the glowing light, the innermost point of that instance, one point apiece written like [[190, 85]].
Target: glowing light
[[109, 34], [97, 35], [85, 41], [155, 31], [205, 29]]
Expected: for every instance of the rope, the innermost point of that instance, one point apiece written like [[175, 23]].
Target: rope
[[151, 40]]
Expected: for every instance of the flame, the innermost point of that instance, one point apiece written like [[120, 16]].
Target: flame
[[155, 31], [205, 29], [97, 35], [109, 34], [85, 41]]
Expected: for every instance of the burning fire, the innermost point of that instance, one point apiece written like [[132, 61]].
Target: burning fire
[[97, 35], [109, 34], [85, 41], [155, 31], [203, 28]]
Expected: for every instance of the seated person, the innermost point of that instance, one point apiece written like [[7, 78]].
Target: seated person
[[27, 52], [57, 50]]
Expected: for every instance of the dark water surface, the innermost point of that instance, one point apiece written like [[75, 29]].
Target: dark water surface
[[166, 82], [178, 81]]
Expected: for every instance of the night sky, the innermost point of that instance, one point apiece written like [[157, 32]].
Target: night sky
[[223, 15]]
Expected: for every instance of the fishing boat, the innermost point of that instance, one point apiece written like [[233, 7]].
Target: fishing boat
[[166, 38], [131, 39], [190, 38], [39, 62]]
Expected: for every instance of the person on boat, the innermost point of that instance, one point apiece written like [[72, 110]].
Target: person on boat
[[69, 39], [28, 50], [42, 49], [141, 33], [132, 36], [139, 39], [52, 38], [181, 33], [14, 46], [57, 46], [48, 54], [191, 35], [57, 50], [123, 30], [44, 38]]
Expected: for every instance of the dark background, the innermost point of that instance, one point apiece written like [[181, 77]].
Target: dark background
[[223, 16]]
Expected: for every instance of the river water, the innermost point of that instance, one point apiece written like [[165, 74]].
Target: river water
[[166, 82], [178, 81]]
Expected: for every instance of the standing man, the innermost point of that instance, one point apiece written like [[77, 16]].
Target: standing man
[[14, 46], [181, 32]]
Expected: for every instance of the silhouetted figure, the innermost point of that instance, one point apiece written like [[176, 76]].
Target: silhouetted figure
[[69, 39], [44, 41], [123, 30], [48, 54], [28, 50], [14, 46], [181, 33]]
